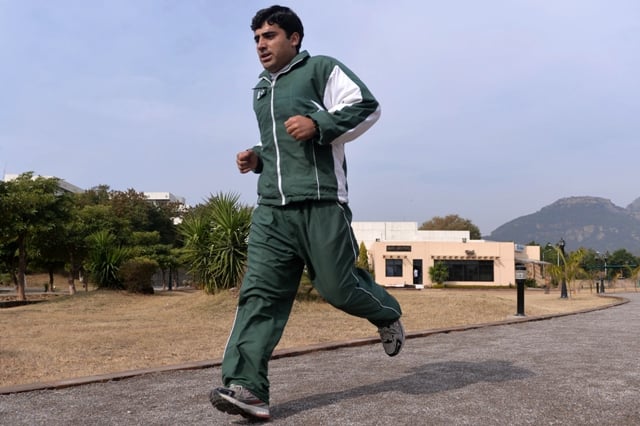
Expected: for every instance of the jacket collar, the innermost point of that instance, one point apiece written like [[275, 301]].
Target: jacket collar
[[295, 61]]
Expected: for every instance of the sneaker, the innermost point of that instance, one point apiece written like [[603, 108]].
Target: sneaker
[[392, 337], [238, 400]]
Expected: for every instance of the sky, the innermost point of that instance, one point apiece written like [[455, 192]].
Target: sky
[[491, 109]]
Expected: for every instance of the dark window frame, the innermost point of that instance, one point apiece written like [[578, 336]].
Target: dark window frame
[[393, 268], [398, 248], [470, 270]]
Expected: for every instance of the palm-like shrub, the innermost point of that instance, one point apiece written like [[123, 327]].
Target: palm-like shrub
[[569, 269], [105, 258], [215, 241]]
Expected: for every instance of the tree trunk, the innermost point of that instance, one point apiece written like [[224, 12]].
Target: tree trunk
[[83, 279], [22, 268], [72, 285], [72, 276], [51, 287]]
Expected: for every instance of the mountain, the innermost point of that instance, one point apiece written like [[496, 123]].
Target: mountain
[[590, 222]]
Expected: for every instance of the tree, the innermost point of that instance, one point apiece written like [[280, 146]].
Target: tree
[[634, 274], [215, 241], [438, 273], [48, 252], [9, 259], [452, 222], [363, 257], [570, 268], [141, 215], [29, 206], [621, 262], [90, 213], [147, 244]]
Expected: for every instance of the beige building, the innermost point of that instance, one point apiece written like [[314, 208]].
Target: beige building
[[401, 255]]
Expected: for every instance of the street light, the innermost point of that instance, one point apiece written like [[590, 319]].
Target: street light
[[605, 272], [600, 288], [563, 288]]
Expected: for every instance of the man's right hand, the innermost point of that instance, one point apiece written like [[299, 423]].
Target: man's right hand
[[247, 161]]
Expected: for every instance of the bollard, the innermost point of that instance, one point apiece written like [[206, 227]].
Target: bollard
[[520, 285], [521, 275]]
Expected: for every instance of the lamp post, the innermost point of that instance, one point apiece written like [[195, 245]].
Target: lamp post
[[605, 272], [599, 278], [547, 282], [563, 287]]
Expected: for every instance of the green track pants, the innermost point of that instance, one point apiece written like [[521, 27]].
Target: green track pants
[[282, 241]]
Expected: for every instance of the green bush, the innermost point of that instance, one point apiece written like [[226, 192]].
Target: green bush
[[5, 279], [137, 274], [438, 273]]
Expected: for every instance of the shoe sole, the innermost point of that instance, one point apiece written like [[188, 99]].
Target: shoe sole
[[232, 406], [399, 344]]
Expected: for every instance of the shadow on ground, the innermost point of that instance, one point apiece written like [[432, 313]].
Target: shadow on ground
[[421, 380]]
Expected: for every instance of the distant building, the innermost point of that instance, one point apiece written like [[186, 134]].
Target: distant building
[[401, 255], [159, 198], [62, 184], [164, 197]]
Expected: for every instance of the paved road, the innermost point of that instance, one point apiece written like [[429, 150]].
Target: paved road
[[573, 370]]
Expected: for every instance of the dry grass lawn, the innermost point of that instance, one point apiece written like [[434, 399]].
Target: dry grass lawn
[[103, 332]]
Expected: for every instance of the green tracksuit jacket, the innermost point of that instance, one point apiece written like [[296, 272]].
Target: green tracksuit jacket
[[325, 90]]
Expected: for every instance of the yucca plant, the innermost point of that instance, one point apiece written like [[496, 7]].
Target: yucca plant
[[105, 258], [215, 241]]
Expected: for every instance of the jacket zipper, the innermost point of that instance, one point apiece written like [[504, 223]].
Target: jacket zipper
[[273, 129]]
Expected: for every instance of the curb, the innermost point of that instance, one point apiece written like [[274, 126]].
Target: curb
[[285, 353]]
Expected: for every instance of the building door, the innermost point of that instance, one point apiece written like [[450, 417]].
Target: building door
[[417, 271]]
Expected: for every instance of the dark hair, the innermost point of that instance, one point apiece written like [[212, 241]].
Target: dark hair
[[284, 17]]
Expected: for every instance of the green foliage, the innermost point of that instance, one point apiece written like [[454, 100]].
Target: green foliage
[[215, 241], [570, 267], [549, 253], [438, 273], [621, 263], [363, 258], [105, 258], [137, 274], [195, 233], [29, 206], [306, 290], [452, 222], [52, 226]]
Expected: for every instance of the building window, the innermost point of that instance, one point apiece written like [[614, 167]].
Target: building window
[[469, 270], [393, 267], [398, 248]]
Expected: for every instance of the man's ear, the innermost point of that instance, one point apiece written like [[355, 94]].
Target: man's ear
[[295, 39]]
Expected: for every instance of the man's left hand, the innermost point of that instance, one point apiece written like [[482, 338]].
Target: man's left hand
[[300, 127]]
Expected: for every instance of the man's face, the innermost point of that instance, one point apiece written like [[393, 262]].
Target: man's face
[[275, 50]]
